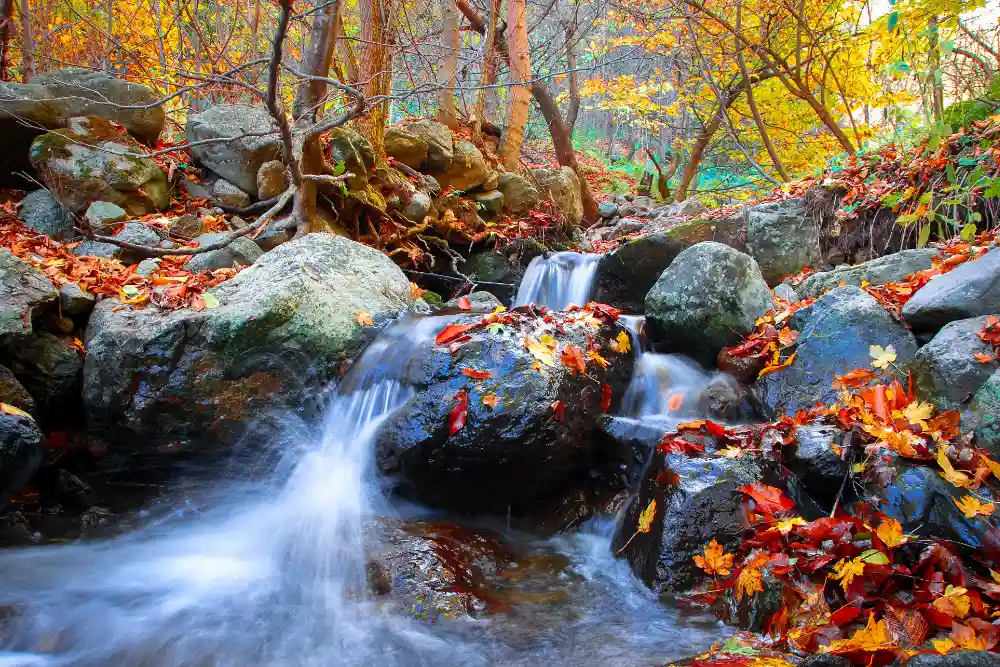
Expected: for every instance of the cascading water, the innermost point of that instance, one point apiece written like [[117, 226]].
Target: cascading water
[[273, 573], [556, 281]]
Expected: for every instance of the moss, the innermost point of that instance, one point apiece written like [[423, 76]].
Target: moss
[[432, 298]]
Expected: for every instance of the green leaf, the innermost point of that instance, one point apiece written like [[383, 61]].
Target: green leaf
[[976, 216], [968, 232], [906, 219], [925, 198], [875, 557], [131, 290], [946, 48], [924, 237], [495, 328], [968, 162], [339, 168], [734, 647], [893, 21], [211, 301], [949, 173]]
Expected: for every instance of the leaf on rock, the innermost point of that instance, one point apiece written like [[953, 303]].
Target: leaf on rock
[[8, 409], [451, 332], [491, 400], [622, 343], [918, 413], [751, 579], [541, 352], [558, 411], [597, 358], [873, 637], [476, 374], [769, 499], [882, 356], [605, 397], [890, 532], [845, 571], [464, 303], [459, 413], [773, 368], [787, 336], [972, 507], [647, 516], [954, 602], [716, 561], [948, 471], [573, 359], [363, 317]]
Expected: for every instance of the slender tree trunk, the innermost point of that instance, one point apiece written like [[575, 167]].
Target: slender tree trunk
[[447, 69], [574, 77], [697, 151], [937, 82], [28, 45], [563, 143], [519, 91], [323, 36], [488, 78], [376, 70], [347, 54], [6, 28]]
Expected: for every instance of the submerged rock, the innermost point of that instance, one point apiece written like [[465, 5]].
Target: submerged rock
[[541, 435], [159, 382]]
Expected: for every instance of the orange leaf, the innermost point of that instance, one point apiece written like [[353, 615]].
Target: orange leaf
[[558, 411], [453, 331], [464, 303], [572, 357], [715, 561], [491, 400], [364, 318], [476, 375]]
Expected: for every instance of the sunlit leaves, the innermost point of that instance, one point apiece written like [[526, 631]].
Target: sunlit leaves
[[622, 343], [882, 356], [954, 602], [751, 577], [715, 560], [890, 532], [459, 413], [972, 507], [845, 571]]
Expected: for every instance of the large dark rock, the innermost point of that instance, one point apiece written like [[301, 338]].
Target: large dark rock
[[817, 465], [888, 269], [21, 450], [705, 300], [957, 659], [625, 276], [507, 457], [731, 230], [50, 369], [24, 293], [282, 327], [985, 413], [946, 371], [52, 98], [90, 160], [969, 290], [41, 212], [835, 336], [250, 138], [697, 500], [13, 392], [783, 237]]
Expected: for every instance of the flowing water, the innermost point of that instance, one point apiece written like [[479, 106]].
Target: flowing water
[[272, 573], [556, 281]]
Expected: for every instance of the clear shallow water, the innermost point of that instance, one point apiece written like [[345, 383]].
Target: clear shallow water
[[272, 573], [556, 281]]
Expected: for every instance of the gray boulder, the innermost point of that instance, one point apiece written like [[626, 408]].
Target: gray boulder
[[607, 209], [43, 213], [481, 302], [97, 249], [439, 141], [985, 413], [407, 147], [353, 150], [783, 238], [24, 293], [139, 234], [946, 370], [21, 451], [75, 301], [815, 463], [241, 251], [787, 293], [187, 226], [227, 195], [562, 186], [90, 160], [835, 336], [418, 207], [468, 168], [12, 392], [639, 206], [969, 290], [249, 139], [705, 300], [490, 202], [147, 267], [888, 269], [102, 216], [272, 179], [283, 326], [519, 194], [507, 457], [50, 369], [731, 230], [956, 659]]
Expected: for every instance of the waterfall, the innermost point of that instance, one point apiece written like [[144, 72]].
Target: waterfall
[[556, 281]]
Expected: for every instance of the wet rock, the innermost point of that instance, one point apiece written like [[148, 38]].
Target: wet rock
[[468, 168], [984, 410], [787, 293], [405, 146], [139, 234], [607, 209], [90, 160], [24, 293], [625, 227], [816, 464], [888, 269], [355, 152], [481, 302], [239, 159], [825, 660], [439, 141], [226, 194], [75, 301], [490, 202], [708, 296], [696, 501], [783, 238], [946, 371], [835, 335], [41, 212], [51, 370], [969, 290], [957, 659], [161, 382], [104, 217], [562, 186], [188, 226], [241, 251], [97, 249], [508, 457], [21, 450], [519, 194], [491, 266], [52, 98], [272, 179], [626, 275], [418, 207], [13, 392]]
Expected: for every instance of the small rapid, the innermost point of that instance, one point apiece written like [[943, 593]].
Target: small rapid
[[559, 280]]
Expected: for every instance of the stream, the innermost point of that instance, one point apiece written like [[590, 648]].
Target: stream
[[271, 572]]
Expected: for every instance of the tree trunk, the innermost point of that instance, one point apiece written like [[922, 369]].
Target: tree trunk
[[27, 42], [574, 77], [6, 28], [489, 75], [309, 98], [697, 151], [937, 83], [520, 75], [376, 70], [447, 69], [563, 142]]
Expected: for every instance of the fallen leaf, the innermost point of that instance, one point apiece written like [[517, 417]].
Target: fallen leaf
[[773, 368], [647, 516], [845, 571], [948, 471], [573, 359], [751, 579], [459, 413], [363, 317], [475, 374], [983, 358], [452, 331], [464, 303], [622, 343], [605, 397], [882, 356], [873, 637], [675, 402], [787, 336], [769, 499], [918, 413], [558, 411], [597, 358], [890, 532], [716, 561], [491, 400], [785, 527], [954, 602], [540, 352], [8, 409], [972, 507]]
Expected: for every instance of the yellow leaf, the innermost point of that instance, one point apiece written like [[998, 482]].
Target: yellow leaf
[[364, 318], [882, 356], [846, 570], [751, 579], [647, 516], [785, 527], [955, 602], [622, 343], [17, 412], [890, 532], [873, 637], [943, 646], [948, 471], [540, 351], [918, 413], [491, 400], [598, 359], [715, 561], [972, 507], [787, 336]]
